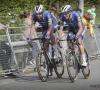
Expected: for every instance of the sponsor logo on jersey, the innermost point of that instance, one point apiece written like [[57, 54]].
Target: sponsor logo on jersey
[[79, 18], [49, 20], [33, 22]]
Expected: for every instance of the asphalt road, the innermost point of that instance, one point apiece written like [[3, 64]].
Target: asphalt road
[[32, 81]]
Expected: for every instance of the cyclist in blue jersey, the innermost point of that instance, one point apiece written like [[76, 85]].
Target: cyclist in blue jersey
[[76, 28], [45, 19]]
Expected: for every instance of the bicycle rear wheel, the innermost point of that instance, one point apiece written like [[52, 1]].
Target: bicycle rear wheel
[[86, 70], [59, 64], [42, 65], [72, 66]]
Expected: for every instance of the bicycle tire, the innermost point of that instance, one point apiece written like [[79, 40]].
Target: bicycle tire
[[42, 65], [72, 65], [59, 66], [86, 74]]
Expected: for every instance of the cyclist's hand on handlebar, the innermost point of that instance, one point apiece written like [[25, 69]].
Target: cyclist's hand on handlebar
[[58, 39], [77, 36], [29, 38], [47, 36]]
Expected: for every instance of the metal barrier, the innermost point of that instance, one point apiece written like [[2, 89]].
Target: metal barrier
[[21, 52], [92, 44]]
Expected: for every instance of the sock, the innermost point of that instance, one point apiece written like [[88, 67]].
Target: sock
[[49, 55], [56, 50], [55, 47], [83, 57]]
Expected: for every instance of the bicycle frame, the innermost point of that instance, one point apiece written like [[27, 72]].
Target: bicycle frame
[[51, 60]]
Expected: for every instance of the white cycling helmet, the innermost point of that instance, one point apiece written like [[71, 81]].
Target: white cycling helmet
[[39, 9], [66, 9]]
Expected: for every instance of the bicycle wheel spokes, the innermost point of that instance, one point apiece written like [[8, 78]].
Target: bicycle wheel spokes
[[59, 65], [72, 66], [42, 66], [86, 70]]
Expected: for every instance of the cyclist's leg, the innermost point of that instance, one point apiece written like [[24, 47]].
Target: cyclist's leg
[[46, 45], [81, 47], [69, 37], [52, 38]]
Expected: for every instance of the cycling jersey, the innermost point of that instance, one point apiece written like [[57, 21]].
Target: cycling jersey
[[45, 20], [73, 22]]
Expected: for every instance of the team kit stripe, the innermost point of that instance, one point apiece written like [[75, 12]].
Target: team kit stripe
[[49, 20]]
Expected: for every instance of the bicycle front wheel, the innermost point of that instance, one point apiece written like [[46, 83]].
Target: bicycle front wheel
[[86, 70], [72, 66], [42, 65], [59, 64]]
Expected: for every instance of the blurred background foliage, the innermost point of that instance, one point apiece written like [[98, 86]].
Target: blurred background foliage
[[10, 9]]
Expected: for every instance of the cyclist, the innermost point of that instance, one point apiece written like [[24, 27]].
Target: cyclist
[[76, 28], [44, 18]]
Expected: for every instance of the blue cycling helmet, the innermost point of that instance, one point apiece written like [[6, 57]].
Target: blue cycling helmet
[[66, 8], [38, 9]]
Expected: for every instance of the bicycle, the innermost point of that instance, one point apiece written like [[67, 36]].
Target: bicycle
[[73, 61], [46, 63]]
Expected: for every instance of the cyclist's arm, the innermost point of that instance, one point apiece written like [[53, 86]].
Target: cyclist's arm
[[49, 28], [60, 31], [79, 29], [80, 25], [32, 26], [32, 30], [49, 24]]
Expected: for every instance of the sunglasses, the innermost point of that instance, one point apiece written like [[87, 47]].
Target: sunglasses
[[38, 13], [65, 13]]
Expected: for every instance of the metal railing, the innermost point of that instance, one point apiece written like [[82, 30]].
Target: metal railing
[[21, 51]]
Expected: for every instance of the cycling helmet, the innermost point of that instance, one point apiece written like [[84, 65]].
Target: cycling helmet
[[39, 9], [66, 9]]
